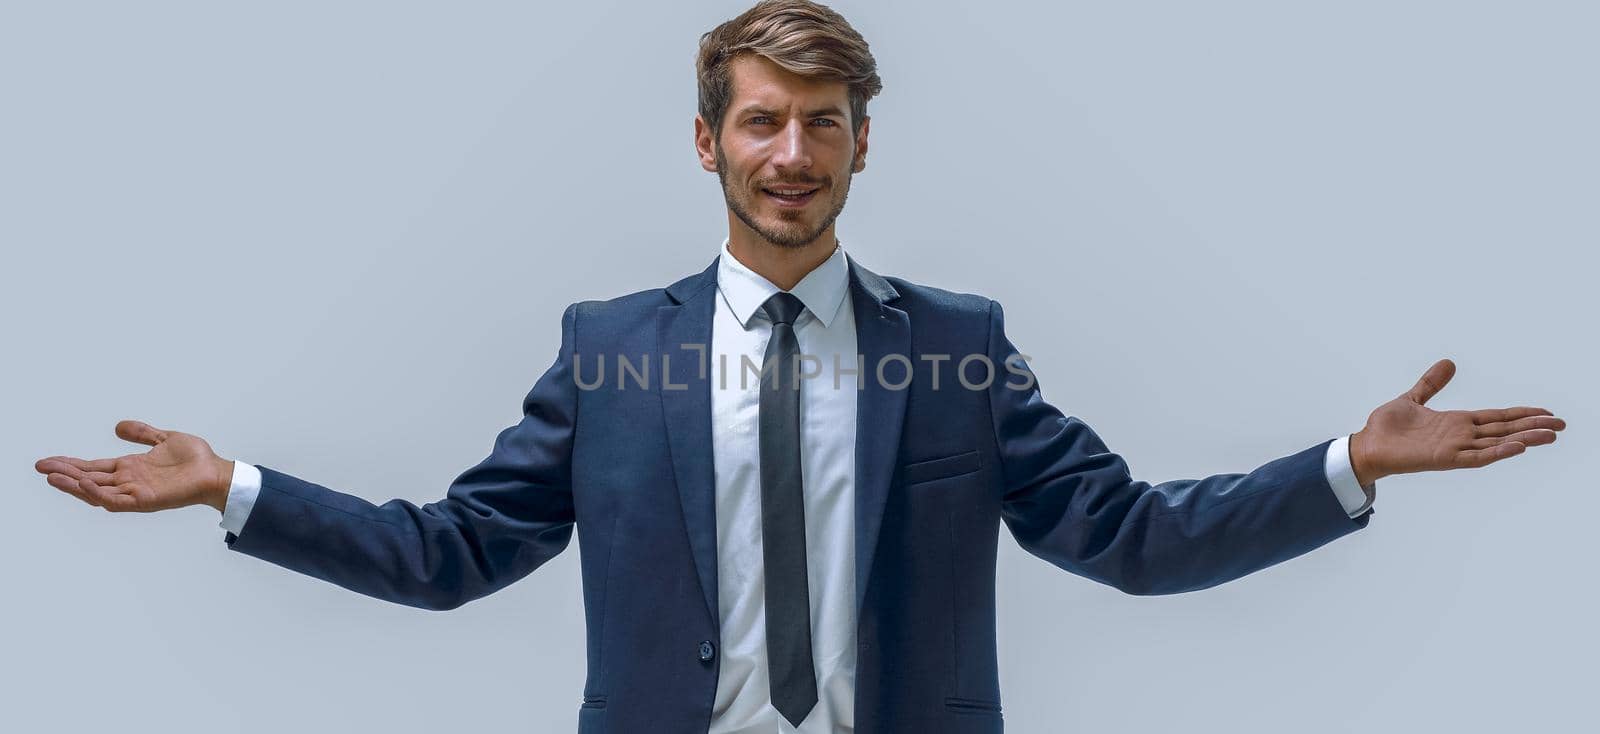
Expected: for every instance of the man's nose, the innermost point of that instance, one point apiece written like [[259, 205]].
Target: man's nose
[[793, 151]]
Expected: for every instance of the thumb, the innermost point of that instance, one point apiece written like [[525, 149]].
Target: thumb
[[1432, 381], [140, 432]]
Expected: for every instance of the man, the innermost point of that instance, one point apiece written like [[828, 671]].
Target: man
[[789, 471]]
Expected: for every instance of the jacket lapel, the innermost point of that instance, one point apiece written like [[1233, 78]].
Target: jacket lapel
[[688, 415], [881, 330]]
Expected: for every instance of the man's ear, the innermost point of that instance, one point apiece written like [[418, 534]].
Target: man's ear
[[704, 144], [860, 162]]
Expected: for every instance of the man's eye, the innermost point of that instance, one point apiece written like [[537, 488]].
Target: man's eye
[[759, 118], [831, 123]]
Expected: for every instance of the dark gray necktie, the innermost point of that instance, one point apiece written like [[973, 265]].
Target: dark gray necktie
[[783, 521]]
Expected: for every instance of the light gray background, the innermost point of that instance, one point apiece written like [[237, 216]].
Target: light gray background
[[336, 239]]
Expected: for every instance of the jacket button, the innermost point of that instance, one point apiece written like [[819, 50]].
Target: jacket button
[[707, 651]]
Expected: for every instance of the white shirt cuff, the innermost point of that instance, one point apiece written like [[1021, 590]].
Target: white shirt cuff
[[241, 497], [1342, 477]]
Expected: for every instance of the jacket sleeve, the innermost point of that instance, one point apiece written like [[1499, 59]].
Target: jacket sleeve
[[498, 521], [1071, 501]]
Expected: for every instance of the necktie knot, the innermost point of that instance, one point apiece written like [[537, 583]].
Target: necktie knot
[[783, 308]]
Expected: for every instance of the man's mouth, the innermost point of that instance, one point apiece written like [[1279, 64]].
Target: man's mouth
[[795, 196]]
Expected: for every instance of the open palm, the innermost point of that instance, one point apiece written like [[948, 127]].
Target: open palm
[[1403, 435], [179, 470]]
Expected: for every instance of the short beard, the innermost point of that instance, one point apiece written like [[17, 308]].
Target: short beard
[[787, 238]]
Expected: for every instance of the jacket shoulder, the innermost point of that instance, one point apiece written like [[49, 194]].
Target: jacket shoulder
[[643, 302], [927, 299], [637, 301], [611, 322]]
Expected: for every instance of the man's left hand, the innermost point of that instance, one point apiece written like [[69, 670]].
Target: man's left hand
[[1402, 436]]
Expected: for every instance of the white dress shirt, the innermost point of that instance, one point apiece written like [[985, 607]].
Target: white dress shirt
[[826, 328]]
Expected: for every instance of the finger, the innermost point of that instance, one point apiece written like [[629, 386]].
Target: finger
[[1432, 381], [1506, 428], [135, 497], [54, 463], [140, 432], [105, 465], [1483, 457], [100, 478], [58, 466], [70, 486], [107, 497], [1536, 437], [96, 488], [1498, 415]]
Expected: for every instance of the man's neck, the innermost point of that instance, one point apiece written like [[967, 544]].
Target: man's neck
[[783, 266]]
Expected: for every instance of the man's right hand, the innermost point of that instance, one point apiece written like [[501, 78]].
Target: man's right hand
[[180, 470]]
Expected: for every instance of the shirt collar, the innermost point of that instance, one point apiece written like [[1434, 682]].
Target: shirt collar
[[821, 290]]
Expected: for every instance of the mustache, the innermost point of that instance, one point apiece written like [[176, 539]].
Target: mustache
[[794, 182]]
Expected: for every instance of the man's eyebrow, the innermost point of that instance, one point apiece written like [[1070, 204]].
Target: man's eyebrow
[[819, 112]]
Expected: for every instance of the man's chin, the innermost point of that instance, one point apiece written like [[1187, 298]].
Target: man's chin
[[789, 236]]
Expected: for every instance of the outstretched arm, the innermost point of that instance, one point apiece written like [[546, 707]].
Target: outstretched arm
[[1073, 502], [498, 521]]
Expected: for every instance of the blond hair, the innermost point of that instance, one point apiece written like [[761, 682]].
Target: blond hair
[[802, 37]]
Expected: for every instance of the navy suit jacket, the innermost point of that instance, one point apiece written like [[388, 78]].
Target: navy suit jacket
[[937, 471]]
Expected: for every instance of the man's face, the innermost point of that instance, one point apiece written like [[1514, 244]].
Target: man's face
[[783, 133]]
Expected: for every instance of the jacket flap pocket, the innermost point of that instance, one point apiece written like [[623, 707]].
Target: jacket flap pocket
[[943, 467], [971, 705]]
